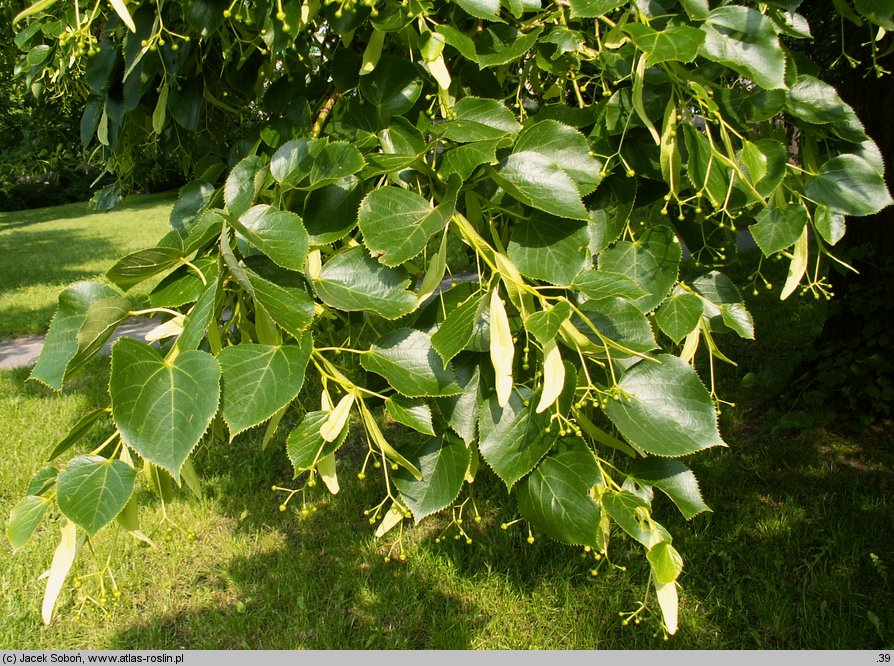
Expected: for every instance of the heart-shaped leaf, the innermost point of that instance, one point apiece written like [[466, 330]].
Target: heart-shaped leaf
[[442, 462], [556, 496], [665, 409], [306, 446], [513, 439], [277, 233], [408, 361], [91, 491], [259, 380], [411, 412], [536, 180], [24, 518], [162, 408], [652, 261], [393, 86], [397, 223], [87, 315], [354, 281], [550, 249]]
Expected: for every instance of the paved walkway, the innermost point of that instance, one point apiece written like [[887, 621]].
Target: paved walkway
[[23, 352]]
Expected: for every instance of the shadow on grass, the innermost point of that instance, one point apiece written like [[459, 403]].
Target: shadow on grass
[[23, 218], [53, 257], [786, 561], [321, 585]]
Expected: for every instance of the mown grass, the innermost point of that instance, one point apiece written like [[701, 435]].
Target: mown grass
[[796, 554], [47, 249]]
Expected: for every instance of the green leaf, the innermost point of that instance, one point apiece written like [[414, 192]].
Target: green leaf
[[502, 44], [513, 439], [675, 480], [259, 380], [778, 228], [443, 462], [162, 408], [566, 147], [679, 43], [556, 496], [745, 40], [463, 160], [737, 317], [87, 315], [480, 120], [723, 304], [353, 281], [330, 213], [483, 9], [91, 491], [198, 319], [277, 233], [243, 184], [775, 157], [37, 55], [593, 8], [406, 358], [664, 409], [335, 162], [207, 227], [717, 289], [537, 181], [461, 411], [397, 223], [849, 184], [393, 87], [193, 199], [205, 15], [292, 308], [666, 562], [292, 161], [136, 267], [378, 164], [606, 284], [434, 273], [42, 481], [652, 261], [819, 103], [619, 320], [829, 224], [184, 285], [455, 332], [879, 12], [679, 315], [622, 507], [458, 40], [544, 325], [415, 414], [82, 427], [306, 446], [24, 518], [550, 249], [185, 102]]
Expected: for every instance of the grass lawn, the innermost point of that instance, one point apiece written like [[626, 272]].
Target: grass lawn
[[47, 249], [797, 553]]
